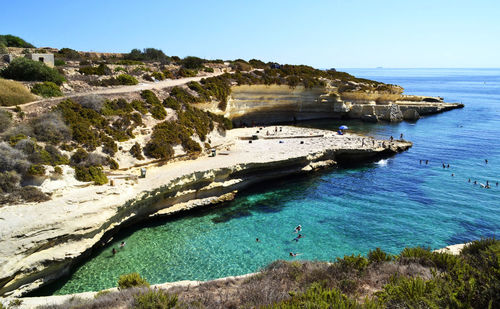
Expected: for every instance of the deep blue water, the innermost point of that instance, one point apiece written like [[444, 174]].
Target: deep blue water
[[389, 204]]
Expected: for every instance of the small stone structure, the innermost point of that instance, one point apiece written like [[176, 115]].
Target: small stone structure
[[48, 59]]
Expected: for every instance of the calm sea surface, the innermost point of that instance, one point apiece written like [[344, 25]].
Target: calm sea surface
[[389, 204]]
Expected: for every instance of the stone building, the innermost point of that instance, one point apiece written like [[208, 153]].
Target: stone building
[[48, 59]]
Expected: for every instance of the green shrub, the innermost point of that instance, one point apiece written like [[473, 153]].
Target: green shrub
[[158, 112], [91, 173], [153, 299], [377, 256], [29, 70], [129, 62], [353, 262], [208, 70], [14, 93], [150, 97], [36, 170], [120, 69], [131, 280], [69, 54], [136, 151], [318, 296], [59, 62], [193, 63], [14, 41], [109, 146], [47, 90], [172, 103], [126, 79], [101, 69], [158, 75], [183, 72], [147, 54], [182, 95], [139, 106], [112, 163], [58, 170]]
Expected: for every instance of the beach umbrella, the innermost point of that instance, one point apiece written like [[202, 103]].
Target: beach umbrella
[[343, 127]]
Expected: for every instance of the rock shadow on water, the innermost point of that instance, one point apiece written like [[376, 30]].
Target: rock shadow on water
[[478, 229], [230, 215]]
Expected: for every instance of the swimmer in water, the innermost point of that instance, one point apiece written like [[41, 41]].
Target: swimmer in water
[[298, 237], [469, 179], [298, 228], [122, 244], [257, 240], [113, 251], [294, 254]]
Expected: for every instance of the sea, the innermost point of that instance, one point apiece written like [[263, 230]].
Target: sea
[[391, 204]]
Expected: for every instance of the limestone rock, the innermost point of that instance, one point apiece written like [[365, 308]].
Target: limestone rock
[[411, 115], [369, 118], [392, 113]]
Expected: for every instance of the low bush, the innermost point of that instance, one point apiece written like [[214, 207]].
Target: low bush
[[208, 70], [14, 41], [5, 120], [183, 72], [36, 170], [192, 63], [377, 256], [29, 70], [69, 54], [51, 128], [129, 62], [9, 181], [172, 103], [158, 75], [182, 95], [156, 298], [12, 159], [91, 173], [139, 106], [46, 90], [131, 280], [354, 262], [14, 93], [136, 151], [126, 79], [92, 101], [101, 69], [59, 62]]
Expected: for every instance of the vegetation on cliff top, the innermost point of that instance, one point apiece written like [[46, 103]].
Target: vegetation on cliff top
[[14, 93], [9, 40], [416, 278]]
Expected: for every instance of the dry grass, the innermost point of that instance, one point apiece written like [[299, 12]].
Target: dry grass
[[14, 93]]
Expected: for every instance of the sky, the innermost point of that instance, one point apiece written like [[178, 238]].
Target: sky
[[323, 34]]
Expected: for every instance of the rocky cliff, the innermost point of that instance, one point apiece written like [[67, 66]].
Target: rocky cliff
[[34, 252], [267, 104]]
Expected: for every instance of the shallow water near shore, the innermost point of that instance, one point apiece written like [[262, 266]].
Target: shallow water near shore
[[391, 204]]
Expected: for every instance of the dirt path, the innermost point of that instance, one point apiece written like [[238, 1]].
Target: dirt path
[[122, 89]]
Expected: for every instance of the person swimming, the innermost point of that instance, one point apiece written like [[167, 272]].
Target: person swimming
[[113, 251], [298, 237], [257, 240], [294, 254], [122, 244], [298, 228]]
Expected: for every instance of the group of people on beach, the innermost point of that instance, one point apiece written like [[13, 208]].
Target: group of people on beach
[[486, 186]]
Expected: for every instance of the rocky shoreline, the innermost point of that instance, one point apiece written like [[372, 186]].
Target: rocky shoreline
[[35, 252]]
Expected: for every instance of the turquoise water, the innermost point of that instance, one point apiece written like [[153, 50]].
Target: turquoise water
[[388, 204]]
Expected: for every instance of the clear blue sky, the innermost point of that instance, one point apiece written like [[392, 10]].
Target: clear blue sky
[[347, 33]]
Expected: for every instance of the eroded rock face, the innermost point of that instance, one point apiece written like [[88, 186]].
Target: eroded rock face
[[411, 115], [268, 104], [391, 113]]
